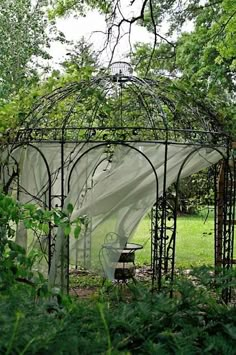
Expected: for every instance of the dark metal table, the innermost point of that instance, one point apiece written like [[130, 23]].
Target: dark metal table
[[123, 260]]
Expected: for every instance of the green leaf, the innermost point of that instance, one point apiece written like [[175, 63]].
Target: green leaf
[[56, 217], [77, 231], [45, 228], [27, 223], [67, 229], [70, 208]]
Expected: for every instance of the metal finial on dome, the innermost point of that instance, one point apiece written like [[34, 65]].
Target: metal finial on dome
[[121, 68]]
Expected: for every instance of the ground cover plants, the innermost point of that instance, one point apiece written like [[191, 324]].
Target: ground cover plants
[[111, 320], [123, 321]]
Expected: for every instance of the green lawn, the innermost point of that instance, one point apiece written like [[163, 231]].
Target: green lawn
[[195, 241], [194, 244]]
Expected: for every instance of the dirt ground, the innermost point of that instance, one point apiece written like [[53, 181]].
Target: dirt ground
[[86, 291]]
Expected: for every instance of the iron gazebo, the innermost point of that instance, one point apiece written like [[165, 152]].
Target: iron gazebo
[[112, 146]]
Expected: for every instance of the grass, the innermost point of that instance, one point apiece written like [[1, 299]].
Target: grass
[[194, 245], [194, 242]]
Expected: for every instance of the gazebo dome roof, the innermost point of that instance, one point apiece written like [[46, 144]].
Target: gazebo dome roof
[[121, 102]]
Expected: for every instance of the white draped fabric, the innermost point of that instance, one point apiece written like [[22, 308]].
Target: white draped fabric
[[114, 195]]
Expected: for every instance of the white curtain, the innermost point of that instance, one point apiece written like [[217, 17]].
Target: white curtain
[[114, 195]]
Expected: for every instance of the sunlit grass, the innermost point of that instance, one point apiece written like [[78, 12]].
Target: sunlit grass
[[194, 242]]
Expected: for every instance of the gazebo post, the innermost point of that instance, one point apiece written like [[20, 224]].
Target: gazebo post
[[225, 219], [219, 215]]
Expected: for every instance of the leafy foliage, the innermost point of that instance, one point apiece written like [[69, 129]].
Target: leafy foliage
[[192, 322], [61, 8], [34, 320], [80, 64], [24, 37], [201, 59], [15, 264]]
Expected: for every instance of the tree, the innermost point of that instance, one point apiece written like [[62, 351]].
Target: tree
[[203, 59], [209, 48], [120, 15], [205, 53], [24, 38], [81, 60], [80, 64], [63, 7]]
